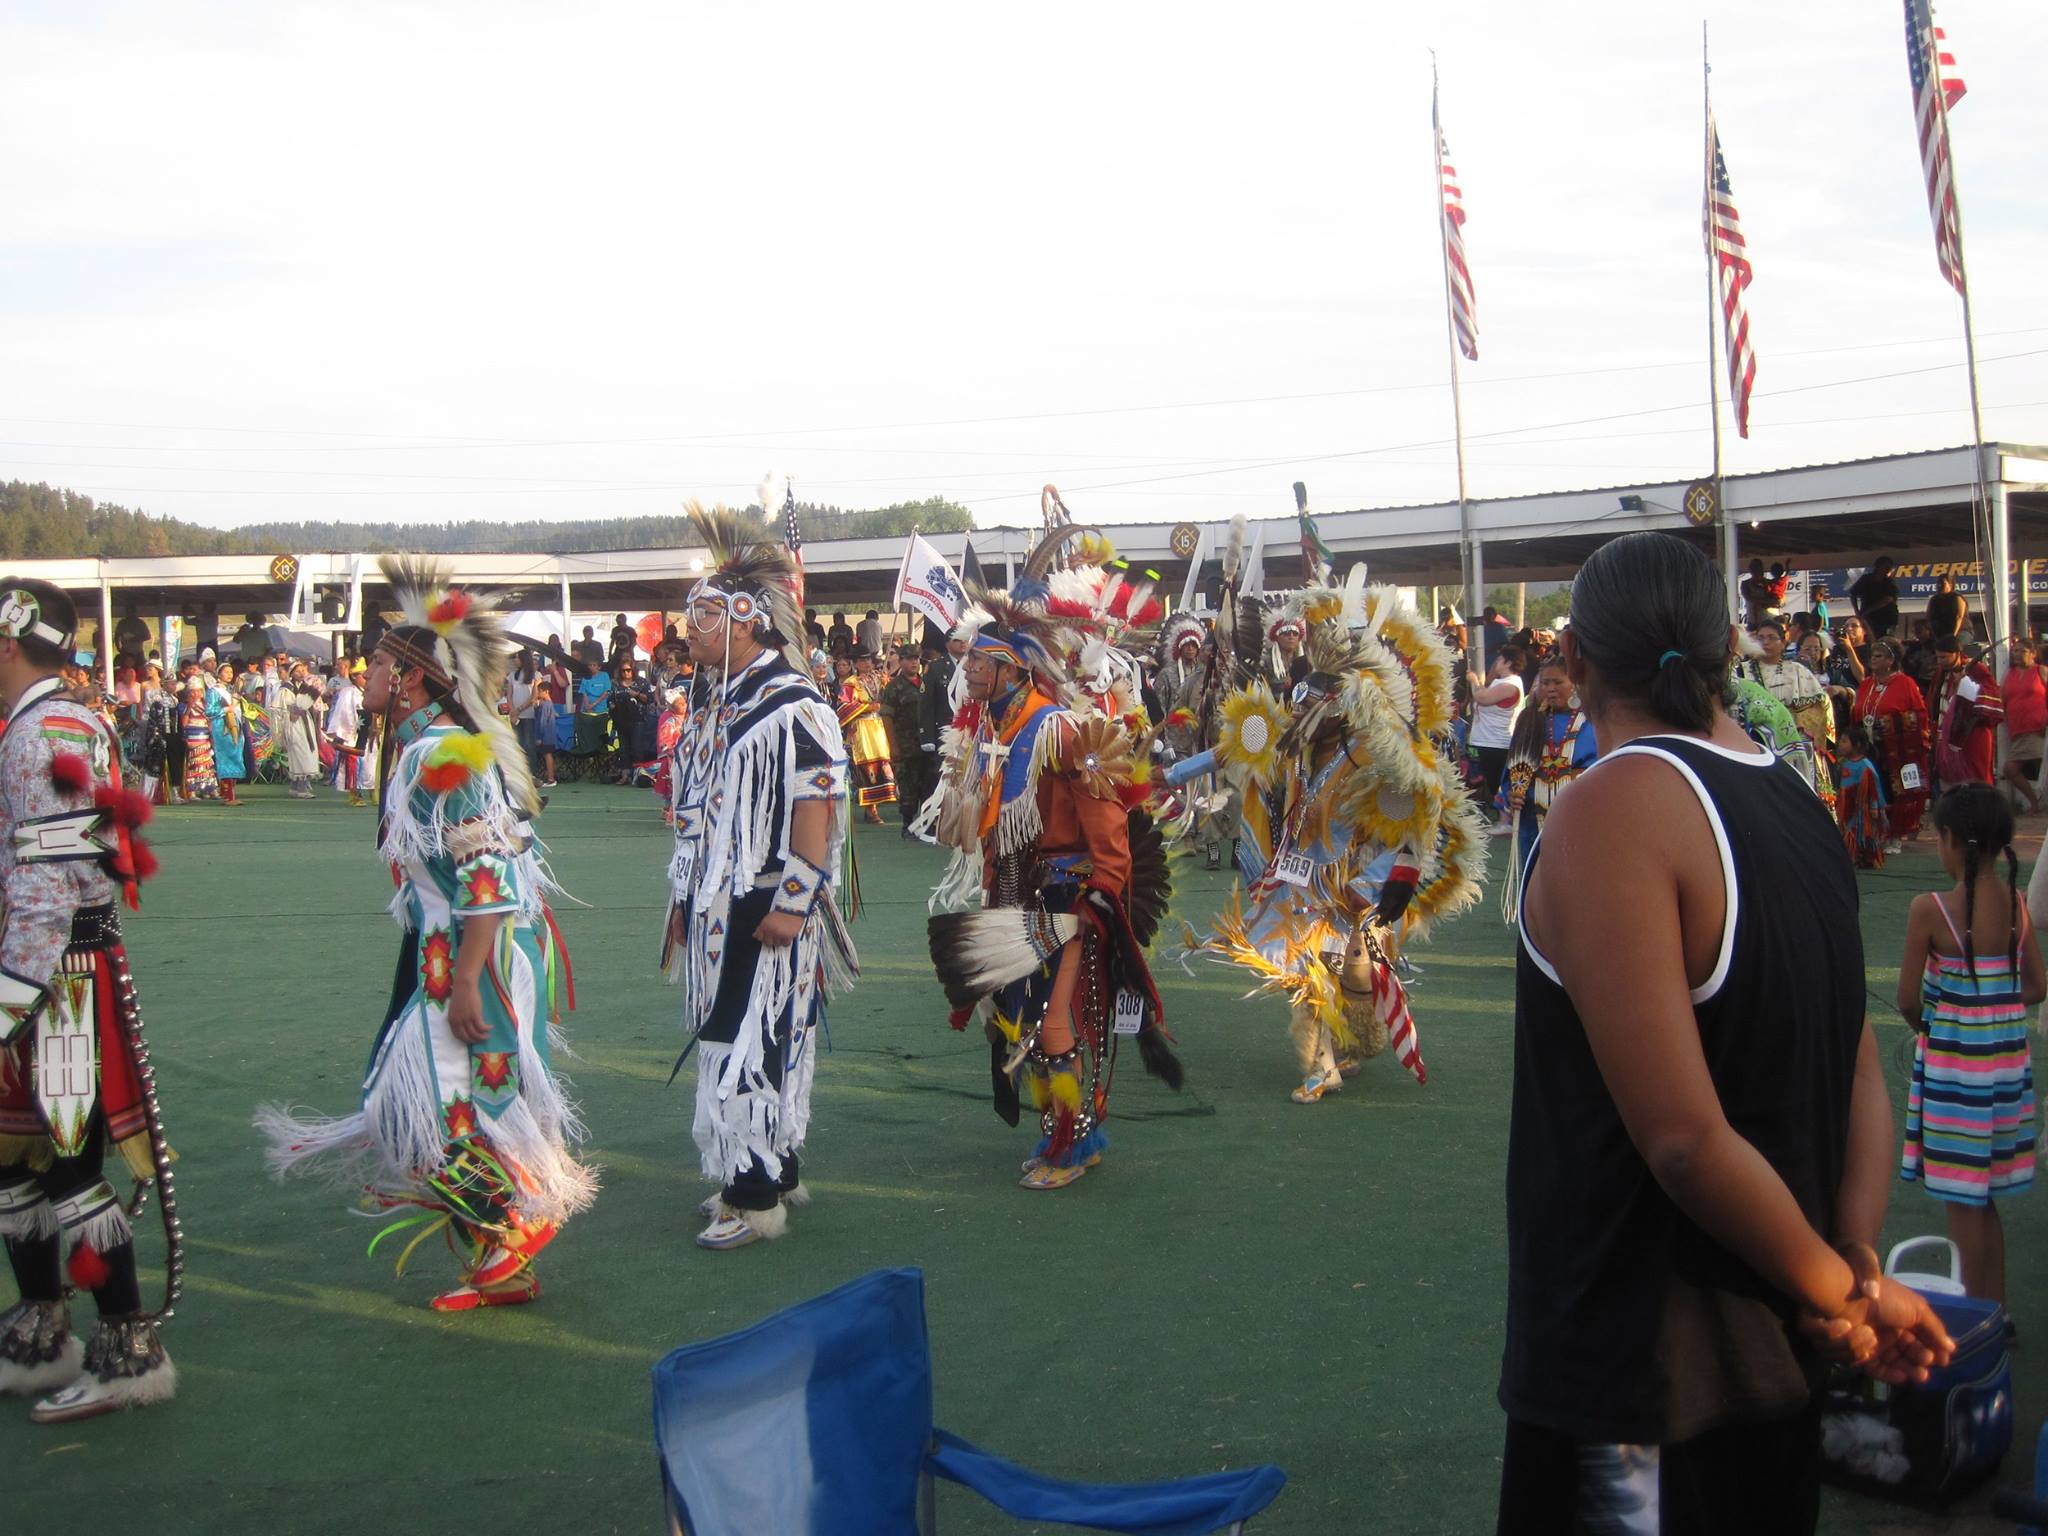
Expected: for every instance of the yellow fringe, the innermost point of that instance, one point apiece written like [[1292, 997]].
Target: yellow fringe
[[36, 1152], [136, 1154]]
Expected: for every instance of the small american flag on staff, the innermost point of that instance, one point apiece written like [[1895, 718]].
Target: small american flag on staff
[[1732, 274], [1464, 318], [1935, 89], [793, 537]]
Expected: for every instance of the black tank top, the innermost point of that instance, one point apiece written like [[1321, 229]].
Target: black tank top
[[1625, 1321]]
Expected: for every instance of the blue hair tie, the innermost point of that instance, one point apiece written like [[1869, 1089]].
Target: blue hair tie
[[1669, 657]]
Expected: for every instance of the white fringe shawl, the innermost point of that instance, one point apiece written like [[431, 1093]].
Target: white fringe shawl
[[1018, 824], [408, 840], [726, 857], [397, 1137]]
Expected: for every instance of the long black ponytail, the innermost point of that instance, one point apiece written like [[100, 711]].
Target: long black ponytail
[[1650, 617]]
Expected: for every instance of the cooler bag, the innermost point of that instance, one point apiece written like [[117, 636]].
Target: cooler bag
[[1929, 1442]]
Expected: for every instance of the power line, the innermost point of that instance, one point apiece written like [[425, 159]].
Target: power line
[[720, 439]]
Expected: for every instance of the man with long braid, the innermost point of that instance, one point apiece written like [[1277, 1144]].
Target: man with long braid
[[463, 1127], [71, 1088]]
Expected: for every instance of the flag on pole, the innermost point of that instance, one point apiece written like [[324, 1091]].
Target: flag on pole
[[1464, 317], [778, 493], [970, 566], [1936, 88], [1732, 275], [1316, 558], [925, 583]]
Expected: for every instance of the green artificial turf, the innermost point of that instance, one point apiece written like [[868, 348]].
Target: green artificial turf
[[1243, 1280]]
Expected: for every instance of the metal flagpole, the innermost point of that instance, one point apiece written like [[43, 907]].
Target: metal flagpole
[[1469, 578], [1724, 526], [1986, 511]]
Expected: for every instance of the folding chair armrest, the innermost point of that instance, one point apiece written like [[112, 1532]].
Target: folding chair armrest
[[1188, 1506]]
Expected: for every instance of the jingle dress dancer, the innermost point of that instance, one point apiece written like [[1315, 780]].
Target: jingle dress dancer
[[75, 1082], [1043, 807], [754, 931], [462, 1120]]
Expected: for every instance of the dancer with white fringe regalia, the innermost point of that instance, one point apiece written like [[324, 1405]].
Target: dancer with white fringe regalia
[[1043, 800], [463, 1122], [1355, 832], [755, 933]]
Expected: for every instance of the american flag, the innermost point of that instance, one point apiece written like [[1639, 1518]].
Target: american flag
[[1936, 88], [1464, 318], [792, 536], [1732, 274]]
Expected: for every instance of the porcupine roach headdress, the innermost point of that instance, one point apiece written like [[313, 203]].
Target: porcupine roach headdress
[[753, 576], [458, 638]]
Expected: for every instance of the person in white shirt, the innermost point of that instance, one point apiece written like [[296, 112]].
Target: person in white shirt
[[344, 721], [868, 633], [1495, 703]]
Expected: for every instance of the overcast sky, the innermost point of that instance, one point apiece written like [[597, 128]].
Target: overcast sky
[[440, 260]]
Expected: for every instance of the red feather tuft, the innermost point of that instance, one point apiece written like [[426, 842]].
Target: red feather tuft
[[88, 1270], [958, 1017], [453, 607], [134, 810], [71, 773], [1061, 1141], [145, 860], [442, 777]]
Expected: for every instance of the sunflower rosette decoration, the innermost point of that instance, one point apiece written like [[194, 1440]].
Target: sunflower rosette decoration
[[1248, 733], [1097, 754]]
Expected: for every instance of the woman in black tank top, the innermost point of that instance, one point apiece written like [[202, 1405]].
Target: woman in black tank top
[[1700, 1148]]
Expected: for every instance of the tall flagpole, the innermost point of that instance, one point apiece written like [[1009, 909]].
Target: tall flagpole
[[1468, 566], [1998, 579], [1724, 526]]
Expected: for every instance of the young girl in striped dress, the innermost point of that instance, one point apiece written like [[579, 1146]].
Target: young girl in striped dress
[[1971, 976]]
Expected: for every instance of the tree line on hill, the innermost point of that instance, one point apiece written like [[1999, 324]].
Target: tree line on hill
[[43, 522]]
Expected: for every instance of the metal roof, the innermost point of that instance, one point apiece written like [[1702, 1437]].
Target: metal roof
[[1906, 504]]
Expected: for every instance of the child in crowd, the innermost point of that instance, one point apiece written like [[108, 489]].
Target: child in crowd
[[1971, 976], [1859, 794]]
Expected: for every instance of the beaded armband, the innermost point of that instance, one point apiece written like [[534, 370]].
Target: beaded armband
[[797, 891]]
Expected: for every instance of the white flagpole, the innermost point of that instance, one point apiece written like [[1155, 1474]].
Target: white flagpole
[[1724, 526], [1987, 512], [1467, 565]]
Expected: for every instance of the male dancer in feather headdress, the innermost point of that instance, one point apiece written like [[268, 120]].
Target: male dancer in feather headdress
[[1042, 796], [1354, 831], [754, 931], [73, 1083], [462, 1118]]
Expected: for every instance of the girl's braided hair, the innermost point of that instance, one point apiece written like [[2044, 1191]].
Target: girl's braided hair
[[1978, 817]]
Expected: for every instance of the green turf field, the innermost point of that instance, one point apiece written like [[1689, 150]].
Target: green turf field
[[1243, 1280]]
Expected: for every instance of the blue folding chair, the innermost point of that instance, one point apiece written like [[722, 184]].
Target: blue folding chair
[[818, 1422]]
